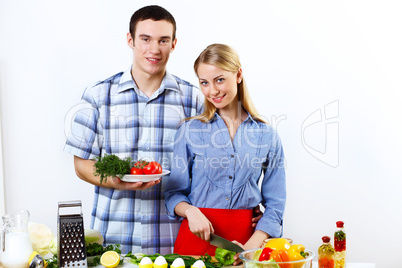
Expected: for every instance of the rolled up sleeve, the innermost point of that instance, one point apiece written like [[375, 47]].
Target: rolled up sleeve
[[273, 190], [179, 182]]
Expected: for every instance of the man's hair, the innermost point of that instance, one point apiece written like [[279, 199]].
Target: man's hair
[[153, 12]]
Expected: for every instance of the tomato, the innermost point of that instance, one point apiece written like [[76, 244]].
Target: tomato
[[152, 168], [136, 171]]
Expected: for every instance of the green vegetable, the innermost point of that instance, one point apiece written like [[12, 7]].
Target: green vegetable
[[111, 166], [225, 257]]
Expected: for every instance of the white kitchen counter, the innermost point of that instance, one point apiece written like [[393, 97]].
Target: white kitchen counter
[[352, 265]]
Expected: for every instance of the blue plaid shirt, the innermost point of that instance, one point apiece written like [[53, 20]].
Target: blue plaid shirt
[[211, 171], [115, 117]]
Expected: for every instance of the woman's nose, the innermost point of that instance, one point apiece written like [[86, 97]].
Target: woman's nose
[[214, 90]]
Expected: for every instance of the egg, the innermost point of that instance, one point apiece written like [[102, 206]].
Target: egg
[[145, 262], [160, 262], [198, 264], [178, 263]]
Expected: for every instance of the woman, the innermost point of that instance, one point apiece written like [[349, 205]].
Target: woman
[[218, 160]]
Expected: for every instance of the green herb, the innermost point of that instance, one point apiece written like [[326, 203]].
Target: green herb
[[111, 166], [52, 262]]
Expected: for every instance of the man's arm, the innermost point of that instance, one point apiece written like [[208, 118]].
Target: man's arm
[[84, 168]]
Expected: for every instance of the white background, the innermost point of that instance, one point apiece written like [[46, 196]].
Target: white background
[[298, 58]]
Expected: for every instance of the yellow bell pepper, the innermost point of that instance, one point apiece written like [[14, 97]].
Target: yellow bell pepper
[[278, 244], [295, 253]]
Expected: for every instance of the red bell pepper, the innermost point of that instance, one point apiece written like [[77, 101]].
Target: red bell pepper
[[265, 254]]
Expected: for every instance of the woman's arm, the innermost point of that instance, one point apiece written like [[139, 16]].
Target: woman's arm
[[198, 223]]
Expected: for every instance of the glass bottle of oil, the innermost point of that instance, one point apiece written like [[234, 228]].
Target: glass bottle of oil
[[326, 254], [340, 245]]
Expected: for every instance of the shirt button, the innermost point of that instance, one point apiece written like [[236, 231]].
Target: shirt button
[[230, 177], [232, 155], [227, 198]]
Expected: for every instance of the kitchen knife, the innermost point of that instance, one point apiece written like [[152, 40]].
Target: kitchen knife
[[221, 242]]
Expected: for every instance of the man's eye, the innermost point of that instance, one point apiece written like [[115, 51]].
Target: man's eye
[[145, 39], [164, 41]]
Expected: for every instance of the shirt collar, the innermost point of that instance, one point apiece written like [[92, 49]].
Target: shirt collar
[[249, 118], [127, 82]]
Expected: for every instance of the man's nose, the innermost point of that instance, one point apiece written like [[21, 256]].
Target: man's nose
[[154, 47]]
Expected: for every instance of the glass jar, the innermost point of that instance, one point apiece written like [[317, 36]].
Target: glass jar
[[326, 254], [340, 245]]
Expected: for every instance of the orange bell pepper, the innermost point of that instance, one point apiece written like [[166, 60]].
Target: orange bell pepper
[[281, 256]]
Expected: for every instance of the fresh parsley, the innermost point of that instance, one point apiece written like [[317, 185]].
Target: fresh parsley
[[111, 166]]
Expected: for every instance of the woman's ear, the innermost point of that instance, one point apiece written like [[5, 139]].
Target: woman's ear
[[239, 75]]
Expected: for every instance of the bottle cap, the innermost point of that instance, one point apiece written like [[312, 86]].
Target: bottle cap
[[326, 239], [339, 224]]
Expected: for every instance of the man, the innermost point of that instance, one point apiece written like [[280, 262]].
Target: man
[[135, 114]]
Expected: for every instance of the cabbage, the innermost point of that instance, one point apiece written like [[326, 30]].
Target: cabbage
[[93, 236], [42, 239]]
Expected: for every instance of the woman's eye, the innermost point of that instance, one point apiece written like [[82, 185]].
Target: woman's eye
[[204, 83], [220, 80]]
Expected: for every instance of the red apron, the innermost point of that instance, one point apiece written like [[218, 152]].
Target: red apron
[[231, 224]]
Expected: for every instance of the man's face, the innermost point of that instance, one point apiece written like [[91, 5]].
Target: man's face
[[152, 45]]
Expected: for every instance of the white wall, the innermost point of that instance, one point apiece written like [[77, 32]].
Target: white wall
[[298, 57]]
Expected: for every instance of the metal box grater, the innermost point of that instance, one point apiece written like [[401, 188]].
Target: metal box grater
[[71, 250]]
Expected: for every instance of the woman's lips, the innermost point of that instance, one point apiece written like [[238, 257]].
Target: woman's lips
[[218, 99]]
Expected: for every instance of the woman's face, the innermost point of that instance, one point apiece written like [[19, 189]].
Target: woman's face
[[219, 86]]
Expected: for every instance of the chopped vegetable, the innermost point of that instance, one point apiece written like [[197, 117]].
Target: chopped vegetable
[[111, 166], [225, 257]]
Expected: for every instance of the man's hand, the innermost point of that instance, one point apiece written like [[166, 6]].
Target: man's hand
[[118, 184], [85, 170], [257, 215]]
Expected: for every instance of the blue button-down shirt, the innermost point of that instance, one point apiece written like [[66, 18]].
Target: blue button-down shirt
[[211, 171], [115, 117]]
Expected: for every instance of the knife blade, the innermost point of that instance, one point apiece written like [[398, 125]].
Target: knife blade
[[221, 242]]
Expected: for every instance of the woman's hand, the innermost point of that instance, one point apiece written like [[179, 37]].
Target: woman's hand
[[198, 223], [236, 257]]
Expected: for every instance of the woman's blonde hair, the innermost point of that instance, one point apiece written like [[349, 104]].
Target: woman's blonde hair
[[226, 58]]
